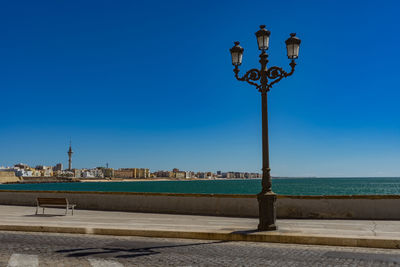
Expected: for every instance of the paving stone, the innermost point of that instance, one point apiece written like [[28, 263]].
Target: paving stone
[[77, 250]]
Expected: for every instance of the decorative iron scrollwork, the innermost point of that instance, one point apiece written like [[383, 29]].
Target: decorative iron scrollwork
[[278, 74], [251, 75], [267, 78], [274, 72]]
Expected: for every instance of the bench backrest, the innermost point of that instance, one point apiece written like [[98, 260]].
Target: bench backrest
[[54, 201]]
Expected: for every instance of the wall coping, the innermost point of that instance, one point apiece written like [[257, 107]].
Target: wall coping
[[133, 193], [210, 195], [342, 197]]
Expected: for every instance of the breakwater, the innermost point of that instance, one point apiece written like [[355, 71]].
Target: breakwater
[[50, 179]]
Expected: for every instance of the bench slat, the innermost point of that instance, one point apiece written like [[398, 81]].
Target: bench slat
[[56, 201]]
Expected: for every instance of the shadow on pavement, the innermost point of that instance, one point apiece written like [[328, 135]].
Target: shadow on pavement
[[44, 215], [126, 252]]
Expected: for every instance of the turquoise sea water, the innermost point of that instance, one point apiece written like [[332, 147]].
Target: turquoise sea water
[[282, 186]]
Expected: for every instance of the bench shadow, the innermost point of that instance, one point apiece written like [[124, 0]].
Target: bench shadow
[[44, 215], [126, 252]]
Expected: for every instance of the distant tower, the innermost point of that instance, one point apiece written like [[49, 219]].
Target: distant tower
[[70, 152]]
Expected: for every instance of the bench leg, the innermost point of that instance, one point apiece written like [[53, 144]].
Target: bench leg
[[37, 208], [66, 210], [72, 210], [43, 210]]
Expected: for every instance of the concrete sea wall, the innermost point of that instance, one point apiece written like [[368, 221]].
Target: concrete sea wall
[[306, 207]]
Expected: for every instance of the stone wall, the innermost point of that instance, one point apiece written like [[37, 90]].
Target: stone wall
[[48, 179], [340, 207], [8, 177], [306, 207]]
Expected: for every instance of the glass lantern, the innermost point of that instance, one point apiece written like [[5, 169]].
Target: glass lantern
[[263, 38], [292, 46], [237, 54]]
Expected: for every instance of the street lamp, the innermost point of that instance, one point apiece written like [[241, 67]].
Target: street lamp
[[267, 77]]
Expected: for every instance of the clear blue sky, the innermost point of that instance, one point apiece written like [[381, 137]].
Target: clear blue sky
[[150, 84]]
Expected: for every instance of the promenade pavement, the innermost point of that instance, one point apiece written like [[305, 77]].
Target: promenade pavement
[[356, 233]]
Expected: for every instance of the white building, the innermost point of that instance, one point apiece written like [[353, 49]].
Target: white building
[[23, 173], [87, 174], [92, 173]]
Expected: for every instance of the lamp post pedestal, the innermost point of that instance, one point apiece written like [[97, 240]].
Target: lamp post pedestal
[[267, 211]]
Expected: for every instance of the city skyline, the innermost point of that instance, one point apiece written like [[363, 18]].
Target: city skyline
[[41, 173], [157, 90]]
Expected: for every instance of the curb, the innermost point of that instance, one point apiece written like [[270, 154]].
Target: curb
[[271, 237]]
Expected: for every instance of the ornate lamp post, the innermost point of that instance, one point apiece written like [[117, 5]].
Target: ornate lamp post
[[263, 79]]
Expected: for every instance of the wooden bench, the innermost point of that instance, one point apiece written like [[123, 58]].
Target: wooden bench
[[43, 202]]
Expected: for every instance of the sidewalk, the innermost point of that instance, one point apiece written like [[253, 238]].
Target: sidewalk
[[358, 233]]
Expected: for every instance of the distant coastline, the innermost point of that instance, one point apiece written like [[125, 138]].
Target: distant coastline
[[42, 180], [51, 180]]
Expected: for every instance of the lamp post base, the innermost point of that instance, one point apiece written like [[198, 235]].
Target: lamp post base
[[267, 211]]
